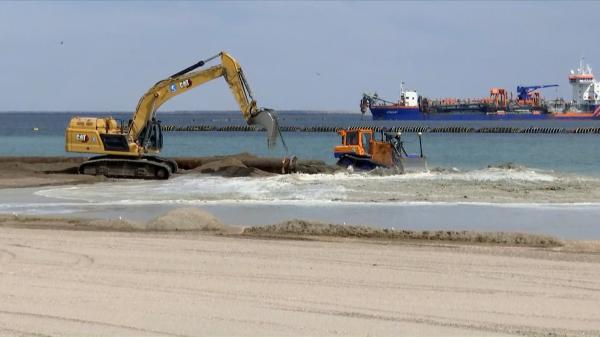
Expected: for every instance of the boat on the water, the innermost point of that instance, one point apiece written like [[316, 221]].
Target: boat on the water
[[407, 107], [499, 105]]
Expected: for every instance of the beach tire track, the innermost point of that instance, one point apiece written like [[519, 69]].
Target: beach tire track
[[4, 331], [528, 279], [7, 256], [87, 322], [447, 322], [82, 260], [357, 312]]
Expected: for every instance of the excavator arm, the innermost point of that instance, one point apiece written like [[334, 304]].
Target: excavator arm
[[188, 79]]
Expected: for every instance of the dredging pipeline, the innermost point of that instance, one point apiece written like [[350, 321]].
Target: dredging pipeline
[[376, 128]]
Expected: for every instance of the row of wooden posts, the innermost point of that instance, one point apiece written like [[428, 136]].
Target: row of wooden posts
[[408, 128]]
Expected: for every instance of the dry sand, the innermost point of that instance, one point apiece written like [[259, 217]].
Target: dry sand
[[99, 283]]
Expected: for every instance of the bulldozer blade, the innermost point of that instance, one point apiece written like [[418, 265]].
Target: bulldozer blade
[[414, 164], [268, 120]]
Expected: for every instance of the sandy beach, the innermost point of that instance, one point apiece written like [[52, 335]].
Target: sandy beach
[[96, 283], [169, 277]]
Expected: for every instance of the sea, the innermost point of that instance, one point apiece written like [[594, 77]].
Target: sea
[[568, 153], [350, 198]]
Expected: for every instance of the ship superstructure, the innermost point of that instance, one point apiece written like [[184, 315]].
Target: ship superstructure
[[585, 99], [586, 90]]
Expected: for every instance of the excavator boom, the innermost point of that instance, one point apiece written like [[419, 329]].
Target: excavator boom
[[188, 79]]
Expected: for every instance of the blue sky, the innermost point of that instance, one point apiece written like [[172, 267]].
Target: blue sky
[[296, 55]]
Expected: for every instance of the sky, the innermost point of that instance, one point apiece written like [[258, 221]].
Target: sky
[[102, 56]]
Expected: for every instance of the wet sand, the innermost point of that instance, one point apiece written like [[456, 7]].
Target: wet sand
[[84, 283], [42, 171], [18, 172]]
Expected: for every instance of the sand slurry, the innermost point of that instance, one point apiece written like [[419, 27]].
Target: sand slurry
[[185, 283], [440, 185]]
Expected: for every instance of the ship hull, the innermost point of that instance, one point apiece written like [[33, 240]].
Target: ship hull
[[395, 113], [414, 114]]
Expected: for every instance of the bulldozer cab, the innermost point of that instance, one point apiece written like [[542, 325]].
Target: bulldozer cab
[[365, 139], [357, 142]]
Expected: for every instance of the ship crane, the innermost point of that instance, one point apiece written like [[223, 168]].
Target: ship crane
[[525, 92]]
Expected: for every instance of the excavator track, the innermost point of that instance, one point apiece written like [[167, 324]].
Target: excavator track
[[147, 167]]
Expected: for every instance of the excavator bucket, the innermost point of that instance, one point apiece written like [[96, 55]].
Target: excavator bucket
[[268, 120]]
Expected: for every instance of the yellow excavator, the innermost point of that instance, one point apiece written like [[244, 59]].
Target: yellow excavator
[[129, 151]]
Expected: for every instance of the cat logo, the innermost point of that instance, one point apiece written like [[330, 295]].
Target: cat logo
[[185, 83], [82, 137]]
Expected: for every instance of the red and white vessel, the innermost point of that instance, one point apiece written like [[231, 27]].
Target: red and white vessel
[[586, 96]]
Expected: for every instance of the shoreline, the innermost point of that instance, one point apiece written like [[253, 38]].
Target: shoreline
[[503, 185], [192, 220]]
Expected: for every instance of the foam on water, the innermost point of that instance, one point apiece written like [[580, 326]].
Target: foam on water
[[198, 188], [338, 187], [484, 175]]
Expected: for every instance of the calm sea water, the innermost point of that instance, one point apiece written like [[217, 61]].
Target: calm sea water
[[564, 153]]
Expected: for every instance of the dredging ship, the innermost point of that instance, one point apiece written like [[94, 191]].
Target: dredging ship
[[528, 103]]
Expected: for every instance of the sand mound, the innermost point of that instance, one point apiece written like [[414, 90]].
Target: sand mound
[[111, 224], [230, 167], [508, 166], [301, 228], [181, 219], [245, 164], [582, 246], [188, 219], [56, 222], [316, 166]]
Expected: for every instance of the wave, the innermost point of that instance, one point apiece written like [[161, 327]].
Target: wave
[[491, 173]]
